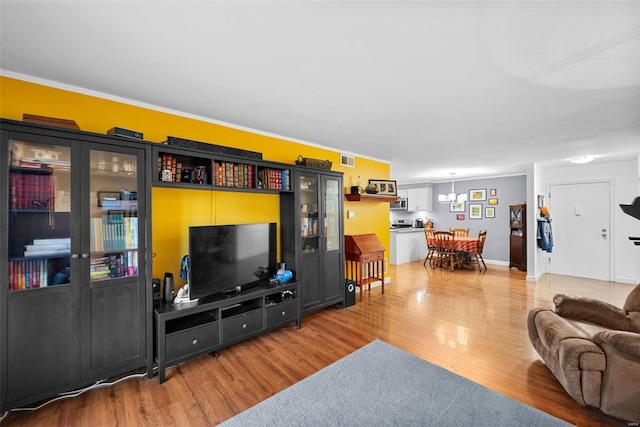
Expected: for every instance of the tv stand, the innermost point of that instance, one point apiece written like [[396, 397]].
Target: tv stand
[[187, 330]]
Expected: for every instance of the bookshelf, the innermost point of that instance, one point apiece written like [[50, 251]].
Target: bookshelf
[[74, 292], [192, 168]]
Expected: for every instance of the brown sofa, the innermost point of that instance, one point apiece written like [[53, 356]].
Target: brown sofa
[[593, 349]]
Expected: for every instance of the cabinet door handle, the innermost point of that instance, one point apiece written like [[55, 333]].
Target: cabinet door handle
[[283, 313], [244, 326], [75, 256], [85, 256], [194, 342]]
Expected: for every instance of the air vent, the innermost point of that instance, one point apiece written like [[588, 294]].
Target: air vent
[[346, 160]]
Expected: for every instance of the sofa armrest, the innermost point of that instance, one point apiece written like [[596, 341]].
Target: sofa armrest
[[621, 381], [626, 343], [592, 310]]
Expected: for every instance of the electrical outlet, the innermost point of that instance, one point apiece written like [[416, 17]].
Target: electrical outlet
[[351, 214]]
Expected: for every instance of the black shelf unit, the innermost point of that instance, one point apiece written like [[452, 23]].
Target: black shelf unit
[[221, 173], [312, 235], [187, 330], [61, 329]]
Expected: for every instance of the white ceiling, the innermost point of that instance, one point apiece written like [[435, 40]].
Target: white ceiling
[[479, 88]]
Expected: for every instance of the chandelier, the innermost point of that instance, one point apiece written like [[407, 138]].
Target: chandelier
[[452, 197]]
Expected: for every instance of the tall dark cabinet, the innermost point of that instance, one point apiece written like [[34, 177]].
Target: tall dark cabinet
[[312, 236], [74, 307], [518, 236]]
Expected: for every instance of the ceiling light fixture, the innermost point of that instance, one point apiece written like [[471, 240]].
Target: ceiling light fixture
[[583, 159], [452, 197]]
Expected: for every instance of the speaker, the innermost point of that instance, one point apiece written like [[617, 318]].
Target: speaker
[[349, 293], [212, 148], [169, 293], [155, 286]]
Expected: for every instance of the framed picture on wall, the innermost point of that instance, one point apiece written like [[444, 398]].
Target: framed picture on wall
[[480, 194], [489, 212], [385, 186], [460, 217], [493, 201], [475, 211], [493, 192], [456, 207]]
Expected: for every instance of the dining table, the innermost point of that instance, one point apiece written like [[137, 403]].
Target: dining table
[[461, 243], [464, 245]]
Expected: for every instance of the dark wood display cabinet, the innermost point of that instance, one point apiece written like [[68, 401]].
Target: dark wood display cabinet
[[518, 236], [73, 301], [312, 236], [184, 331]]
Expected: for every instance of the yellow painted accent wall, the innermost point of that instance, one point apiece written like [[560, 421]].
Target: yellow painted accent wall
[[175, 210]]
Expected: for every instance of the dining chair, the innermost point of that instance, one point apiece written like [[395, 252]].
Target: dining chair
[[477, 255], [445, 247], [460, 232], [431, 247]]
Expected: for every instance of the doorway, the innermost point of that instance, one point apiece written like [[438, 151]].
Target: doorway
[[581, 224]]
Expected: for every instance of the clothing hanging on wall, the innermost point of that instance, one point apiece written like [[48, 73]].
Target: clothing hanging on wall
[[545, 234]]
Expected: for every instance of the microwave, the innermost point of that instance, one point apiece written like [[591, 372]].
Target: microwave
[[401, 205]]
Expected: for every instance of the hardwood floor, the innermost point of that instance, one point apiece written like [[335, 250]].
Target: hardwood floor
[[471, 323]]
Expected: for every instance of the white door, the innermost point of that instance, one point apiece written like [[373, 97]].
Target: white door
[[580, 224]]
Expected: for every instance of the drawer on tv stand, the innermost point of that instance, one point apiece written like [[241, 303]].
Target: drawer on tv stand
[[191, 341], [281, 313], [242, 324]]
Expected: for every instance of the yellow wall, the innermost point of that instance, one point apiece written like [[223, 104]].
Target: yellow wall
[[175, 210]]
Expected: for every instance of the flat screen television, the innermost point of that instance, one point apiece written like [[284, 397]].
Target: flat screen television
[[227, 258]]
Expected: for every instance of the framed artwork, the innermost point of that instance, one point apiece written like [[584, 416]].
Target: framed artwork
[[493, 192], [475, 211], [493, 201], [475, 195], [109, 199], [460, 217], [385, 186], [456, 207], [489, 212]]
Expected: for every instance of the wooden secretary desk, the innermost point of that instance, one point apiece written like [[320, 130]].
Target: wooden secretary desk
[[364, 259]]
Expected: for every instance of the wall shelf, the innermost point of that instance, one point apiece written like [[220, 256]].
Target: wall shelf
[[371, 198]]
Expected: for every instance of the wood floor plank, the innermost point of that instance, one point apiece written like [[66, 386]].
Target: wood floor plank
[[469, 322]]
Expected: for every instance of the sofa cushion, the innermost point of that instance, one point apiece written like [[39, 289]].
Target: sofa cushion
[[591, 310], [632, 302]]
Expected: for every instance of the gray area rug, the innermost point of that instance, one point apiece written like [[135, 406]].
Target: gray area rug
[[382, 385]]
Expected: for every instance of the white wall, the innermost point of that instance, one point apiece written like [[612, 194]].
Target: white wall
[[536, 258], [625, 177]]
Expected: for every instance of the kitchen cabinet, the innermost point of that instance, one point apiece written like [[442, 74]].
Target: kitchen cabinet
[[312, 236], [420, 199], [73, 300], [407, 245]]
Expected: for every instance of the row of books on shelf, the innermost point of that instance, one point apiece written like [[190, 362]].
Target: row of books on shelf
[[111, 266], [227, 174], [28, 274], [29, 191], [275, 179], [44, 247], [172, 169], [114, 231]]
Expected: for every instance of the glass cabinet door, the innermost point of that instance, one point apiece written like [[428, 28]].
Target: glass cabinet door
[[309, 226], [39, 220], [113, 189], [332, 214]]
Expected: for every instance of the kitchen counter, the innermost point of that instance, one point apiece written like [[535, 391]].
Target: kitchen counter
[[407, 245], [407, 230]]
